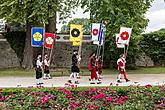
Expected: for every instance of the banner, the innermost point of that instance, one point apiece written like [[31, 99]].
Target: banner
[[95, 30], [118, 44], [49, 40], [125, 34], [76, 32], [37, 34], [76, 43]]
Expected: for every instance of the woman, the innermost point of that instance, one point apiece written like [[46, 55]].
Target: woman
[[38, 70]]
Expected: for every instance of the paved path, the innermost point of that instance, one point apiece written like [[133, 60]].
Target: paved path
[[136, 79]]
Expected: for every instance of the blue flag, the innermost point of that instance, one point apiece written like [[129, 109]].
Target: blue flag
[[101, 34], [37, 36]]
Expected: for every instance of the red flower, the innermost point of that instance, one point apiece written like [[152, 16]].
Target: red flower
[[124, 35], [109, 98]]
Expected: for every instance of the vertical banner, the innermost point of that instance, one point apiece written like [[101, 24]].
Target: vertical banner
[[95, 30], [125, 34], [37, 34], [49, 40], [76, 32], [76, 43], [118, 44]]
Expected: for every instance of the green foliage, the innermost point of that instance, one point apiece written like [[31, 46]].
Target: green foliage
[[17, 42], [153, 44], [115, 14], [35, 10], [83, 21]]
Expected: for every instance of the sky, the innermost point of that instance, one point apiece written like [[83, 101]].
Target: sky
[[155, 14]]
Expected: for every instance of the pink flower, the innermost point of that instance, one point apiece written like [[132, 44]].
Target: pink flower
[[83, 92], [44, 99], [117, 84], [109, 98], [74, 105], [148, 86], [2, 99], [111, 84], [103, 89]]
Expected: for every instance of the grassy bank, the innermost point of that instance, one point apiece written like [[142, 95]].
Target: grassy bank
[[66, 72]]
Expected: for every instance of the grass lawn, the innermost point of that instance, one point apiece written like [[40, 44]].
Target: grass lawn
[[23, 73]]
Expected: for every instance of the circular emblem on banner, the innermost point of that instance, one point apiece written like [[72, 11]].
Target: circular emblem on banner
[[124, 35], [49, 40], [75, 32], [95, 32], [37, 36]]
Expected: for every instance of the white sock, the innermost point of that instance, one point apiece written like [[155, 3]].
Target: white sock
[[98, 76], [37, 81], [75, 76], [49, 75], [44, 75], [71, 76], [119, 76]]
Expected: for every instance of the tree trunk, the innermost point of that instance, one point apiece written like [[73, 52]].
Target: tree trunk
[[51, 26], [28, 50]]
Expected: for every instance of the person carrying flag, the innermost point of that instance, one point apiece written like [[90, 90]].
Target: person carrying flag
[[46, 67], [121, 68], [38, 70]]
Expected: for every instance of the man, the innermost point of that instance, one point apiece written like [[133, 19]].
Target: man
[[46, 67], [38, 70], [121, 68], [74, 69]]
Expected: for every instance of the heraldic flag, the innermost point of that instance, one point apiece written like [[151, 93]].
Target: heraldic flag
[[76, 32], [118, 44], [37, 36], [125, 34], [76, 43], [95, 30], [49, 40]]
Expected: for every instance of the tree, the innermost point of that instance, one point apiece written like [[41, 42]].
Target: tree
[[83, 21], [115, 14], [153, 44], [35, 13]]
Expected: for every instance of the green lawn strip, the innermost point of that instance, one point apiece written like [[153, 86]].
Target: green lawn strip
[[84, 72]]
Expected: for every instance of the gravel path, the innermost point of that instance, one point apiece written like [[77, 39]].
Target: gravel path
[[136, 79]]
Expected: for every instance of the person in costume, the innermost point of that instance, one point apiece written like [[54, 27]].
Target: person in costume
[[74, 69], [121, 68], [46, 67], [38, 70], [99, 67], [92, 68]]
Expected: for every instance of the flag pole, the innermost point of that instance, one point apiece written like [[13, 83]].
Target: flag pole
[[43, 43], [52, 50], [80, 48], [128, 43]]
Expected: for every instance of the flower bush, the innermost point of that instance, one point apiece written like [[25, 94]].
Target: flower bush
[[79, 98]]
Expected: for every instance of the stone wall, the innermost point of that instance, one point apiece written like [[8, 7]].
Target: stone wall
[[62, 54], [8, 57], [144, 60]]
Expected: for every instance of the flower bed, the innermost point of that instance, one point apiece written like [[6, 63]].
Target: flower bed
[[72, 97]]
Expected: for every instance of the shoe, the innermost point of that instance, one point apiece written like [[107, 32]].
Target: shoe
[[127, 80], [99, 79], [89, 79], [98, 82], [119, 81], [76, 82], [92, 83], [45, 78], [41, 83], [50, 77], [69, 81]]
